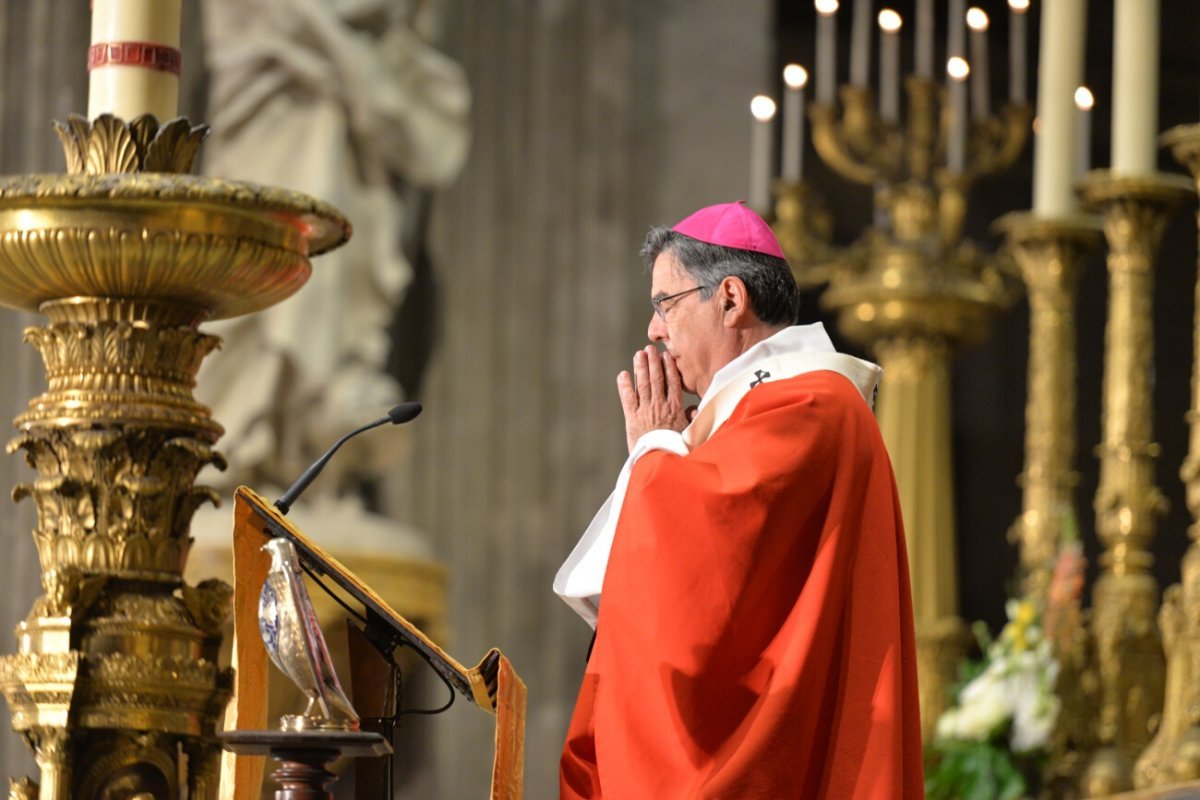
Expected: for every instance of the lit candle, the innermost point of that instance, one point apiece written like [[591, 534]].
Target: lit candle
[[1135, 87], [957, 70], [795, 77], [763, 109], [1060, 73], [1084, 101], [978, 21], [860, 44], [924, 41], [827, 51], [1017, 51], [889, 65], [134, 59]]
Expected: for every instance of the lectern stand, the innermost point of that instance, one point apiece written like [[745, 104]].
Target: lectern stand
[[302, 756], [492, 685]]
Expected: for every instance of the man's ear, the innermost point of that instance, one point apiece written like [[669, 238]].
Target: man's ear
[[734, 300]]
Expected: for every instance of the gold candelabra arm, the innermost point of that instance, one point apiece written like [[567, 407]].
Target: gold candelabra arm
[[998, 141], [833, 145], [804, 228]]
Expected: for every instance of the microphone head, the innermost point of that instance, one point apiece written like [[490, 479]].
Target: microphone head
[[405, 412]]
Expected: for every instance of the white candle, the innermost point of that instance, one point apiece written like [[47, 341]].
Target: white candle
[[860, 44], [763, 109], [1060, 72], [134, 59], [924, 40], [889, 65], [1135, 87], [1017, 52], [978, 21], [957, 71], [1084, 101], [827, 51], [795, 78], [956, 34]]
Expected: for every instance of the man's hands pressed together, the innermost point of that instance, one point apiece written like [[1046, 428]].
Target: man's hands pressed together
[[652, 398]]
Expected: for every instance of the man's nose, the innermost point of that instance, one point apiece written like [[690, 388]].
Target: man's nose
[[656, 331]]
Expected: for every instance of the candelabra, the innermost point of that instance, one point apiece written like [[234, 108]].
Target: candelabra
[[115, 685], [1125, 598], [911, 289]]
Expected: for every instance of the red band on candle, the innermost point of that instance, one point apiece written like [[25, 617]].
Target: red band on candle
[[135, 54]]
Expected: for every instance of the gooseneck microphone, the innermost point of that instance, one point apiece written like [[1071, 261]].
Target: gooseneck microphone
[[405, 412]]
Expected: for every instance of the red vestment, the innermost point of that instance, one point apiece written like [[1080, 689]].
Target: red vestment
[[755, 637]]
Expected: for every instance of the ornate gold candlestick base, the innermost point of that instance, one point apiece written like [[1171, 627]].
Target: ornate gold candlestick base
[[1128, 504], [116, 679]]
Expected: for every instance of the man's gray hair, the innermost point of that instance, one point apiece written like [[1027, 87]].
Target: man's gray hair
[[774, 297]]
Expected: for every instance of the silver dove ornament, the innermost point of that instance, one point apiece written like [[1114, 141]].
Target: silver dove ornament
[[294, 641]]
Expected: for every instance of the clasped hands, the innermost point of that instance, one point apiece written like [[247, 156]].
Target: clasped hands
[[652, 397]]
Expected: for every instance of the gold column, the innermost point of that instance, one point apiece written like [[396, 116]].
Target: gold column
[[1125, 598], [116, 674], [1050, 254]]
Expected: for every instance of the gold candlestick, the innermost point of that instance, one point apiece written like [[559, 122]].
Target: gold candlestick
[[116, 674], [1174, 755], [1050, 254], [1125, 598]]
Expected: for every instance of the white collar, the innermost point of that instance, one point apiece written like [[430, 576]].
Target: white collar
[[793, 339]]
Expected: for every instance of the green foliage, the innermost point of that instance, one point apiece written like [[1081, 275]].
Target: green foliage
[[959, 770]]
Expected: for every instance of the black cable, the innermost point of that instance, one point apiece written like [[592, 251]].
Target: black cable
[[427, 711], [309, 571]]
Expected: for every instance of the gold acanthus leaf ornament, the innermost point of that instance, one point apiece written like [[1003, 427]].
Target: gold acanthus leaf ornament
[[109, 144]]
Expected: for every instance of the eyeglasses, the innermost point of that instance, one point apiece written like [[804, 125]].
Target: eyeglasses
[[657, 302]]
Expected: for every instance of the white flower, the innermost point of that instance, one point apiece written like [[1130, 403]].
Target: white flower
[[984, 704], [1034, 722]]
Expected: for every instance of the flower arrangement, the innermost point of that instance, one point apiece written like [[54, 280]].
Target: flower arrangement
[[993, 742]]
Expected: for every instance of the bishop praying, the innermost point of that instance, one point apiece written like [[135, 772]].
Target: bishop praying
[[747, 578]]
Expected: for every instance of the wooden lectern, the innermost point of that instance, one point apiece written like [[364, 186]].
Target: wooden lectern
[[493, 685]]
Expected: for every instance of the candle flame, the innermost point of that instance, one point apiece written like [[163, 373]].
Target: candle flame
[[958, 68], [1084, 100], [977, 19], [889, 20], [795, 76], [1019, 6], [762, 107], [826, 7]]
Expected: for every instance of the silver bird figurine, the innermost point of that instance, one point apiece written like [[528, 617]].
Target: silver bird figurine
[[294, 641]]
